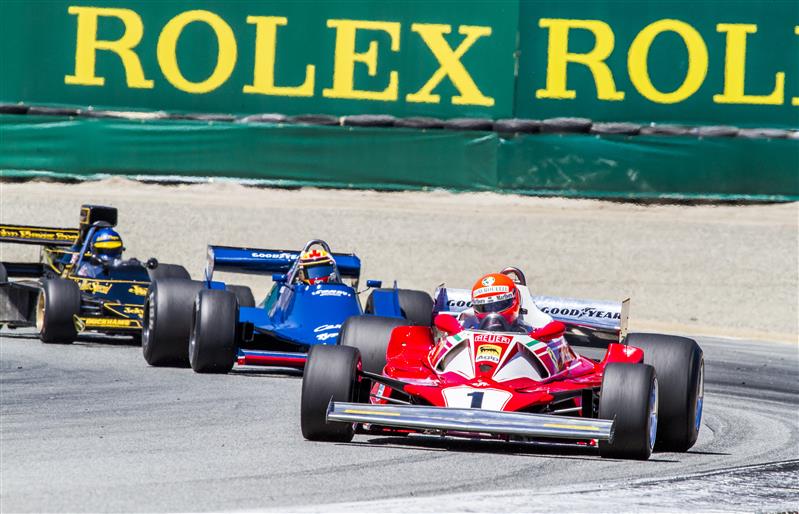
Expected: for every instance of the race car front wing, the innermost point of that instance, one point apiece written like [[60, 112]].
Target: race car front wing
[[476, 421]]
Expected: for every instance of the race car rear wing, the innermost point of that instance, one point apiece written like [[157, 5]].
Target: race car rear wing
[[589, 314], [32, 235], [55, 236], [266, 261]]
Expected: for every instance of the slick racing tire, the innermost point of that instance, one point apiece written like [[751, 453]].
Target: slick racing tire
[[57, 305], [212, 342], [416, 306], [163, 271], [331, 373], [680, 366], [167, 320], [370, 335], [243, 295], [629, 395]]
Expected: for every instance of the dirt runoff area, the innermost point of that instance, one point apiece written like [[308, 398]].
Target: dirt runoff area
[[724, 270]]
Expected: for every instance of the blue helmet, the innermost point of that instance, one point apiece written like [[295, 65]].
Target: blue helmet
[[106, 245]]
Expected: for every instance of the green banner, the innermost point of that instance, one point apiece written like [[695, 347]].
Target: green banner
[[440, 58], [285, 155], [699, 62]]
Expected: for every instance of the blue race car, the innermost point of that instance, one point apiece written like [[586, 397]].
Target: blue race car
[[211, 325]]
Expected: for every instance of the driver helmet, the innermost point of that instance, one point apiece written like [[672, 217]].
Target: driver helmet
[[316, 267], [496, 293], [106, 245]]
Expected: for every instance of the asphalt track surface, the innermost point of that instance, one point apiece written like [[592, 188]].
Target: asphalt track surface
[[90, 427]]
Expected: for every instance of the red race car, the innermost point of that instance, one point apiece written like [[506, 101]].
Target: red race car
[[485, 377]]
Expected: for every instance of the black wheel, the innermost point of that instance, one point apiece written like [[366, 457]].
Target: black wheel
[[163, 271], [212, 343], [56, 307], [680, 365], [629, 395], [370, 335], [331, 373], [167, 321], [416, 306], [243, 295]]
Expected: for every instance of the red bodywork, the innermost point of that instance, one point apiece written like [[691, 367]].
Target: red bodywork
[[513, 372]]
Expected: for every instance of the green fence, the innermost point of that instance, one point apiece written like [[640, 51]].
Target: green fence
[[702, 62]]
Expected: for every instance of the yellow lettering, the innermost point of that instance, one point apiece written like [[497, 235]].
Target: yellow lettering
[[795, 100], [88, 45], [558, 58], [346, 57], [450, 65], [697, 61], [263, 82], [735, 69], [167, 51]]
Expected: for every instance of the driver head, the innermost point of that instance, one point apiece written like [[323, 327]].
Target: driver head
[[315, 267], [106, 245], [496, 293]]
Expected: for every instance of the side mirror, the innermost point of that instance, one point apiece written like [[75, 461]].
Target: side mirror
[[447, 323], [279, 278], [152, 263], [548, 332], [374, 283]]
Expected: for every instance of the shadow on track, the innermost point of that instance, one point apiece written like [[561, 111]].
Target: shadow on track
[[519, 449]]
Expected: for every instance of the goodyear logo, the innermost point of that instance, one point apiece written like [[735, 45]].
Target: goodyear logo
[[138, 290], [488, 353]]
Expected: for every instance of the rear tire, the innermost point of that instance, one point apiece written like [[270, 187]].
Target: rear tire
[[56, 307], [679, 363], [370, 335], [416, 306], [167, 321], [629, 395], [212, 343], [163, 271], [330, 374], [243, 295]]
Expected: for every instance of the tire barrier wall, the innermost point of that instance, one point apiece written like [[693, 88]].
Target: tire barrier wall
[[614, 165]]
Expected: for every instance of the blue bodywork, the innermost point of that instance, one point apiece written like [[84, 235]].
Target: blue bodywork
[[295, 316]]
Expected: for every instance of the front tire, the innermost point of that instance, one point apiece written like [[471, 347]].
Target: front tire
[[331, 373], [56, 307], [629, 395], [167, 321], [680, 366], [212, 343]]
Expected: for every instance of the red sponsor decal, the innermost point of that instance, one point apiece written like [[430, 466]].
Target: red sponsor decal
[[492, 338]]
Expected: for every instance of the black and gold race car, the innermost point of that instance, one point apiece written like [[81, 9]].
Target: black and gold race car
[[59, 298]]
